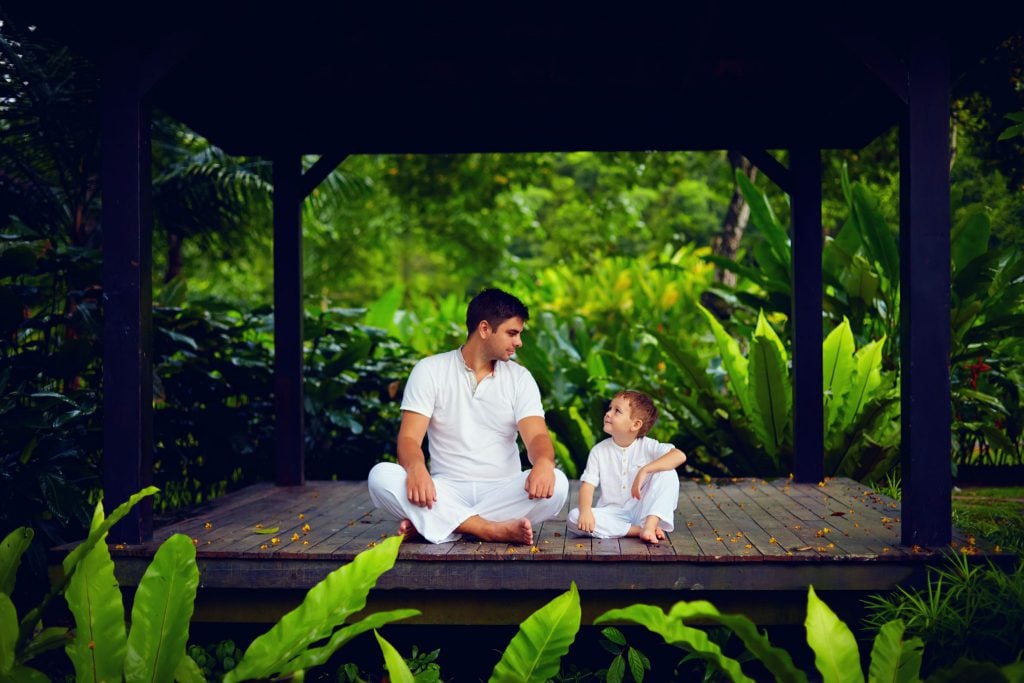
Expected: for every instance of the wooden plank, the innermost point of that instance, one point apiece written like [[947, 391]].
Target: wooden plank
[[551, 540], [854, 539], [705, 527], [757, 525], [775, 520]]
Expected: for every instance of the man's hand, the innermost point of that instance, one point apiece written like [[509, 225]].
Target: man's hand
[[419, 486], [540, 482], [586, 522], [639, 481]]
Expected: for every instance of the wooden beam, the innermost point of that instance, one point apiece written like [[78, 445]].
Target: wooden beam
[[771, 167], [319, 171], [924, 297], [879, 60], [808, 413], [164, 57], [127, 294], [289, 454]]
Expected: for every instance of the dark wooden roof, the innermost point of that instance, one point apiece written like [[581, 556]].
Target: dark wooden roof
[[710, 75]]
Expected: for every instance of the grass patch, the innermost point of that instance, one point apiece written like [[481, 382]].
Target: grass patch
[[993, 513]]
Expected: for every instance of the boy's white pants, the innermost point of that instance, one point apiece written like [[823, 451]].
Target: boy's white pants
[[659, 496], [496, 500]]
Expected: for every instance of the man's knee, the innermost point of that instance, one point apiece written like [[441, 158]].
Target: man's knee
[[383, 476], [561, 486]]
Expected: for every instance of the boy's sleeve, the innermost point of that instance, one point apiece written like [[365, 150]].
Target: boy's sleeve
[[592, 472], [655, 449]]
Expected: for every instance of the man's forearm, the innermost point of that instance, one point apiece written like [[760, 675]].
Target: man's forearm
[[540, 450], [410, 454]]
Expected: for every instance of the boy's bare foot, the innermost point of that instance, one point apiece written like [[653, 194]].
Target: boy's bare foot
[[651, 535], [405, 528]]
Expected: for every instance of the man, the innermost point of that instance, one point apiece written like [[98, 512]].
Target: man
[[470, 403]]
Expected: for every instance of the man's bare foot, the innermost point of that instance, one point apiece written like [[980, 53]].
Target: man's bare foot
[[405, 528], [513, 531], [510, 531]]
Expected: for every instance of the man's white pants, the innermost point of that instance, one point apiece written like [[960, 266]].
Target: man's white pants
[[659, 496], [496, 500]]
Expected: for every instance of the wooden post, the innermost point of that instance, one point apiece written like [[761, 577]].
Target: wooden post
[[808, 413], [289, 457], [924, 297], [127, 295]]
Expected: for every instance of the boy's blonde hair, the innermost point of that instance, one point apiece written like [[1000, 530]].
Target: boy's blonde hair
[[641, 407]]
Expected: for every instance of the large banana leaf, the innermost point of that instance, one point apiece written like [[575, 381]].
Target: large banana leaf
[[734, 362], [970, 236], [8, 633], [878, 238], [398, 670], [764, 219], [835, 649], [339, 595], [837, 366], [94, 598], [894, 659], [95, 535], [11, 550], [675, 632], [161, 613], [316, 656], [867, 377], [775, 659], [535, 652], [770, 387]]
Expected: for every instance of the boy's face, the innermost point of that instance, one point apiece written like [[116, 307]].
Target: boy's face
[[618, 420]]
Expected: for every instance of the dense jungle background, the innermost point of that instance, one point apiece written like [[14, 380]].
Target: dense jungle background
[[651, 270]]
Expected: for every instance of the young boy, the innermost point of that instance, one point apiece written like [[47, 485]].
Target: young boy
[[639, 485]]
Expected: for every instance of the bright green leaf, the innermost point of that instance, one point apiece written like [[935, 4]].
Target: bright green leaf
[[894, 660], [398, 670], [835, 649], [11, 550], [94, 598], [535, 652], [8, 633], [161, 612], [675, 632], [339, 595]]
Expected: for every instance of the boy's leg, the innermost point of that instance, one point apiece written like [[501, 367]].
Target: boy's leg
[[659, 498], [609, 522], [386, 482]]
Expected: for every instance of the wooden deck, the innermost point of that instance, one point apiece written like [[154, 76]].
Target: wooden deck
[[735, 542]]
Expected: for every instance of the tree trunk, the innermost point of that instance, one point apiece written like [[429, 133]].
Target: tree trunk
[[174, 243], [727, 242]]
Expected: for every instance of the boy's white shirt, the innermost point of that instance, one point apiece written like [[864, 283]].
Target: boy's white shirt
[[612, 469]]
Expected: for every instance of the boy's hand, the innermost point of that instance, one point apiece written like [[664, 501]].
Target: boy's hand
[[586, 522], [638, 483], [419, 487]]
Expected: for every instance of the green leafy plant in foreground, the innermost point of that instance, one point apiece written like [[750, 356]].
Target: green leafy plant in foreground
[[153, 648], [837, 657], [965, 610]]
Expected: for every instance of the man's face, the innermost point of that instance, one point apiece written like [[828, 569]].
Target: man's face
[[503, 341]]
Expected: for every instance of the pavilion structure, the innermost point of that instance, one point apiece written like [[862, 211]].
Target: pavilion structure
[[703, 75]]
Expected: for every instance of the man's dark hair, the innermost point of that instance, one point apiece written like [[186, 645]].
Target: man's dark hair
[[494, 306]]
